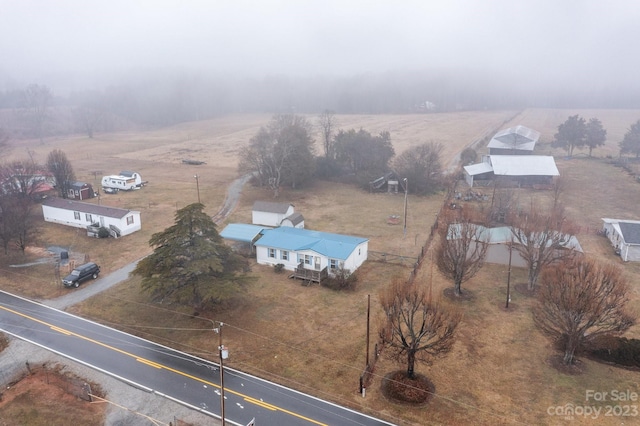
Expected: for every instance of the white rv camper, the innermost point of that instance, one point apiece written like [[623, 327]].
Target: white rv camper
[[125, 181]]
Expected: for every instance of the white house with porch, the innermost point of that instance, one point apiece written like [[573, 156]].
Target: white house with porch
[[297, 248], [82, 215]]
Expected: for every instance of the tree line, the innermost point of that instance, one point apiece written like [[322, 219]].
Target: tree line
[[165, 99], [576, 132], [282, 154]]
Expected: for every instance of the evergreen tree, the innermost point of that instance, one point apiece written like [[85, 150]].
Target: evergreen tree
[[191, 264]]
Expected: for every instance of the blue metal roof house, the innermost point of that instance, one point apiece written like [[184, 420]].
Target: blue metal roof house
[[298, 248]]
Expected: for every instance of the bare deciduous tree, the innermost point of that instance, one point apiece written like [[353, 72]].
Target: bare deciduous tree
[[37, 100], [461, 250], [281, 153], [21, 178], [88, 116], [415, 326], [581, 300], [20, 181], [328, 123], [4, 139], [541, 240], [62, 171]]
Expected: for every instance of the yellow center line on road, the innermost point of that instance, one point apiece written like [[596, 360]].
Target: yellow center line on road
[[260, 403], [160, 366], [150, 363], [60, 330]]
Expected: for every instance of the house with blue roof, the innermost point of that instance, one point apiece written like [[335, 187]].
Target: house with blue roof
[[306, 250], [242, 235]]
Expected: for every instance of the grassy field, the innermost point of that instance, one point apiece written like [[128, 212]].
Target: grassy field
[[313, 339]]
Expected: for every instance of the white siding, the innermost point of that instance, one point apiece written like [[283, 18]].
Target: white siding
[[70, 218], [353, 262], [268, 218], [357, 257]]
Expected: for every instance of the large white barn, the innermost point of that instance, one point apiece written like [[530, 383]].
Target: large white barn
[[522, 168]]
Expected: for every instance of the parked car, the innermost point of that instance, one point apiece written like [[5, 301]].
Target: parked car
[[81, 273]]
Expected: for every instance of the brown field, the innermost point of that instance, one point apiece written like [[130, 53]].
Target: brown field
[[313, 339]]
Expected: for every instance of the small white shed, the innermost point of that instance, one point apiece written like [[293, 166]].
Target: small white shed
[[272, 214]]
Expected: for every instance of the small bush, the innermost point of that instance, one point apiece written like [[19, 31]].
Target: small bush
[[103, 232], [343, 279], [617, 350], [278, 267], [398, 387]]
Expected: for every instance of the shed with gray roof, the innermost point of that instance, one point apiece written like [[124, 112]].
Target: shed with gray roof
[[624, 236]]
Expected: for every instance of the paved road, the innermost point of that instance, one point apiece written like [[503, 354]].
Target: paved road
[[189, 380], [179, 376]]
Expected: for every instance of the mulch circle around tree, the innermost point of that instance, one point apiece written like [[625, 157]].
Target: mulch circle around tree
[[503, 306], [557, 362], [465, 295], [397, 387], [523, 289]]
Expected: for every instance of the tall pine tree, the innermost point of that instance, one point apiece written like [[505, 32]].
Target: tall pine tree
[[190, 264]]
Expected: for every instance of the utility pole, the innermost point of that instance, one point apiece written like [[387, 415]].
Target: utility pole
[[509, 275], [222, 352], [406, 189], [198, 189], [368, 315]]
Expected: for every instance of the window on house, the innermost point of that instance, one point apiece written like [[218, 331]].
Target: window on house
[[88, 218], [272, 253], [76, 215], [284, 255], [307, 259], [335, 264], [129, 220]]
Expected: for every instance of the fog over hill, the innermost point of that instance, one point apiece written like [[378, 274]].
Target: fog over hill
[[163, 61]]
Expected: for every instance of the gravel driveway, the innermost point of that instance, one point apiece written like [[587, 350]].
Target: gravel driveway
[[13, 359]]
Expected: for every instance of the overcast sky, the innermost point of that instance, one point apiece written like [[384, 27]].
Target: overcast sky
[[561, 41]]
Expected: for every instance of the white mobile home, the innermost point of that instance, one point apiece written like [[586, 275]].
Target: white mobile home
[[81, 215], [312, 250]]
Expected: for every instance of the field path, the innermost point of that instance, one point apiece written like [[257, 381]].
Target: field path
[[231, 200]]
